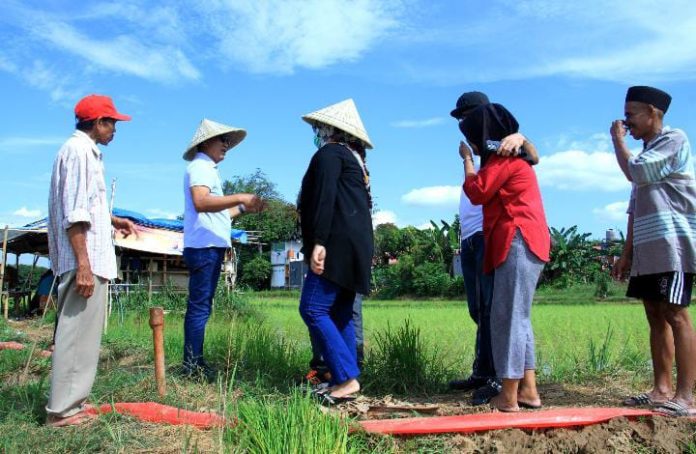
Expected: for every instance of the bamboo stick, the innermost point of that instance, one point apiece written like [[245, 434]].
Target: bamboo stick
[[157, 325]]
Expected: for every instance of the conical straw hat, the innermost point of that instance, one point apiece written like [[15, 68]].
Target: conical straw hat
[[209, 129], [344, 116]]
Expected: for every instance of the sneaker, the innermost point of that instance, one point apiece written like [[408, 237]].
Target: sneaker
[[485, 393], [467, 384]]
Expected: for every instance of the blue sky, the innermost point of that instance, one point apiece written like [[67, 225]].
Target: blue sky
[[561, 67]]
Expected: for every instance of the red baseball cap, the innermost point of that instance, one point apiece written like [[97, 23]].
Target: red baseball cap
[[95, 106]]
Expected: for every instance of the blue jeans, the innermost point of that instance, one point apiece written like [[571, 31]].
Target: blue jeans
[[479, 293], [317, 362], [327, 310], [204, 266]]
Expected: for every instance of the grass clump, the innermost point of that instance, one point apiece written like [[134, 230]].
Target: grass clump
[[294, 424], [400, 362]]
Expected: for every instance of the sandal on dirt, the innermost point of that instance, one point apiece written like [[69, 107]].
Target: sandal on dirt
[[81, 417], [672, 408], [641, 400], [328, 400], [528, 405]]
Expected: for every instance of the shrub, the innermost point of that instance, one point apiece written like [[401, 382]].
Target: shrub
[[429, 279], [257, 272]]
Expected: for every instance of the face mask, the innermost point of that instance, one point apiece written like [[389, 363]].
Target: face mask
[[317, 141]]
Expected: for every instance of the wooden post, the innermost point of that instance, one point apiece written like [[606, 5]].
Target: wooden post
[[157, 325], [4, 296]]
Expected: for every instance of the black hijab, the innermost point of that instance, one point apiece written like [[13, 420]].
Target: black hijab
[[488, 122]]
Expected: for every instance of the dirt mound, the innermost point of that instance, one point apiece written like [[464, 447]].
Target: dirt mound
[[620, 435]]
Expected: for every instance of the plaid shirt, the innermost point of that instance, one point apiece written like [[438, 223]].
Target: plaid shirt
[[78, 194]]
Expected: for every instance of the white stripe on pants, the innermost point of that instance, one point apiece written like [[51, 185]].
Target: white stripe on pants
[[512, 337], [76, 353]]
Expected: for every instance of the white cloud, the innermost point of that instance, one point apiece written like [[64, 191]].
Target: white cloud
[[612, 212], [425, 226], [122, 53], [280, 36], [24, 212], [18, 144], [418, 123], [433, 195], [576, 170], [383, 217]]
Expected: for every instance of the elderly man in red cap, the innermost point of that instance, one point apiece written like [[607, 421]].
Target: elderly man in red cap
[[82, 254], [659, 248]]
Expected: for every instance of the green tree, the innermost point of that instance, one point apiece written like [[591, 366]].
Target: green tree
[[573, 257], [278, 222]]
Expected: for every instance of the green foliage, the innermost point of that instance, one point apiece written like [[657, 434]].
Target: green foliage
[[278, 222], [573, 258], [292, 425], [257, 272], [430, 279], [400, 362]]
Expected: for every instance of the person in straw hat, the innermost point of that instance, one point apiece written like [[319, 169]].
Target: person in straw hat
[[207, 229], [336, 224]]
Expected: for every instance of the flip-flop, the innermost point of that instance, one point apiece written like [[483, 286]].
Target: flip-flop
[[78, 418], [528, 405], [674, 409], [641, 400], [330, 401]]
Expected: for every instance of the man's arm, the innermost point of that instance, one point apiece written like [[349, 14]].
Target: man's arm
[[78, 241], [623, 154], [125, 226], [513, 144], [205, 202], [623, 266]]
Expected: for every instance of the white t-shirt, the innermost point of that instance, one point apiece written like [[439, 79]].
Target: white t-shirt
[[470, 216], [202, 230]]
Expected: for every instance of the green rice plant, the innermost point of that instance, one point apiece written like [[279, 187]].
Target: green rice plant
[[257, 351], [599, 359], [294, 424], [400, 362]]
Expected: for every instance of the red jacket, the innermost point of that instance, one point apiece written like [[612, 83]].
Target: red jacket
[[508, 190]]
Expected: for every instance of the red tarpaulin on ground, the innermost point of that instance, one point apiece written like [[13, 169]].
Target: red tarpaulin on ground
[[158, 413], [479, 422]]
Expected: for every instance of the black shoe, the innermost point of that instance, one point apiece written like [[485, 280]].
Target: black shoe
[[484, 394], [201, 371], [468, 384]]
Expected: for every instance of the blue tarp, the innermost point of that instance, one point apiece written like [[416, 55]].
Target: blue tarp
[[169, 224]]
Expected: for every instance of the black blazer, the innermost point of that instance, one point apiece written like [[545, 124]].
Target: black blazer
[[335, 212]]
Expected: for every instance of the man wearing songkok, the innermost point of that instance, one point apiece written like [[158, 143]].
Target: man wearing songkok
[[82, 254], [659, 247]]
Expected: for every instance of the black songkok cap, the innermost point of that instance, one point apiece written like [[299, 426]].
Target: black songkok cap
[[649, 95]]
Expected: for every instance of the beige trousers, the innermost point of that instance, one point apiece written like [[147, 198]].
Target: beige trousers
[[77, 341]]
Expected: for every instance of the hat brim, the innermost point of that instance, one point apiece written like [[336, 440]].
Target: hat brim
[[121, 117], [313, 122], [235, 138], [457, 113]]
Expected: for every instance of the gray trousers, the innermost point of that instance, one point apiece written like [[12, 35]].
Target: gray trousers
[[77, 341], [512, 338]]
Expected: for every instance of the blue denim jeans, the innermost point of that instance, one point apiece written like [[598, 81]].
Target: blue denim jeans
[[204, 266], [479, 293], [327, 310], [317, 362]]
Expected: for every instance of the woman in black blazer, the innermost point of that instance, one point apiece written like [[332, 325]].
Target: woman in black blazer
[[336, 224]]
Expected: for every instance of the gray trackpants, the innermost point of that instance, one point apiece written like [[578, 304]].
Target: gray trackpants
[[77, 341], [512, 338]]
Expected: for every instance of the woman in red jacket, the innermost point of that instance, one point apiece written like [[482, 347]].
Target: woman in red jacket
[[517, 244]]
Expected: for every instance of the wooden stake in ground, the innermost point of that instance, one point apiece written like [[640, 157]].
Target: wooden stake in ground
[[157, 325]]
